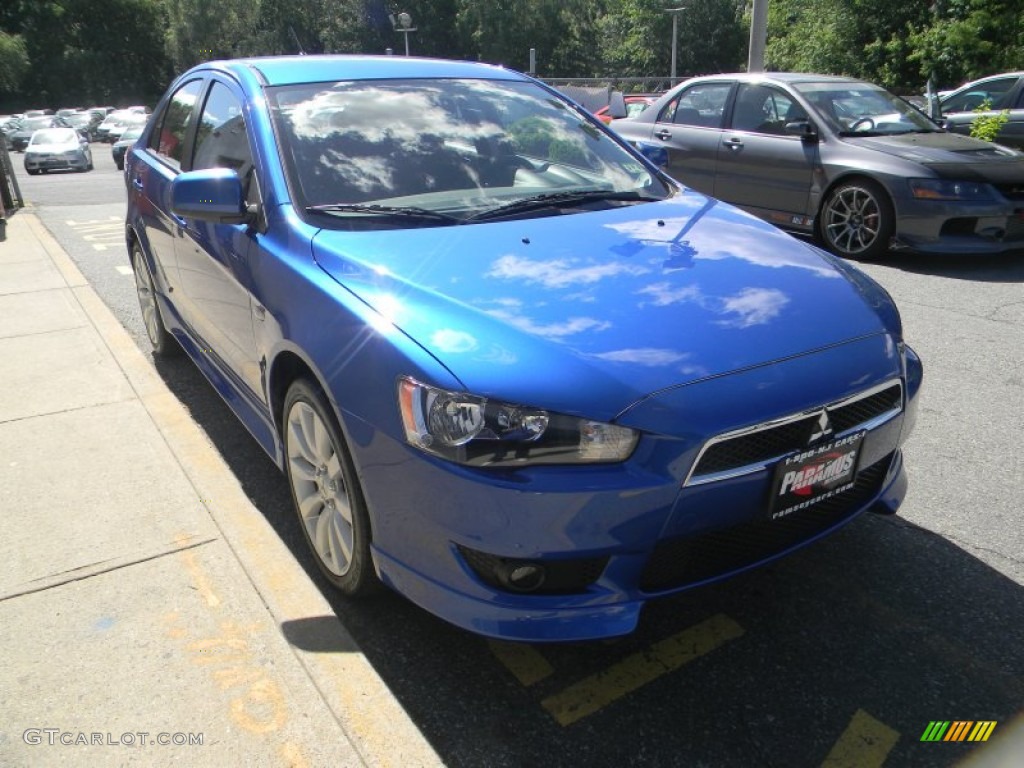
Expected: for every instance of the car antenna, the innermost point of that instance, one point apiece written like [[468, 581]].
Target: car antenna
[[296, 37]]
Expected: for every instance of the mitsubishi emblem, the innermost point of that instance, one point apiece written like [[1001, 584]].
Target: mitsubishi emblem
[[822, 429]]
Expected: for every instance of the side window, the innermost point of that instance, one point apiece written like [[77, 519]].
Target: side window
[[701, 105], [994, 91], [169, 140], [764, 109], [220, 138]]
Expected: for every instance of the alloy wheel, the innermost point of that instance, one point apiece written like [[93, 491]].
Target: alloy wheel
[[319, 486]]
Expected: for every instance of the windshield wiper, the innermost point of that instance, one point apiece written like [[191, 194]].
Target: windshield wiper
[[408, 211], [561, 199]]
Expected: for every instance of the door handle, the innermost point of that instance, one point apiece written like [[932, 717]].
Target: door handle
[[137, 183], [663, 134], [179, 221], [734, 143]]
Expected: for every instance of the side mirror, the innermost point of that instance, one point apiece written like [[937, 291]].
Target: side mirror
[[213, 195], [655, 153], [617, 105], [803, 128]]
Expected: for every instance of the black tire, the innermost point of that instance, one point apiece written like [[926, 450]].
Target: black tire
[[32, 171], [160, 339], [120, 165], [326, 492], [857, 220]]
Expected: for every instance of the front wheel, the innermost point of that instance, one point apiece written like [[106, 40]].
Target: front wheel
[[326, 491], [857, 220], [163, 343]]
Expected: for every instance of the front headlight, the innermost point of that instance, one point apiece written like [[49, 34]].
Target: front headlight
[[474, 430], [941, 189]]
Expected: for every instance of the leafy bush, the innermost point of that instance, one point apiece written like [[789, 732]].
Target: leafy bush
[[987, 127]]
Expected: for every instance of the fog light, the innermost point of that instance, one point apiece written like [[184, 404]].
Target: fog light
[[541, 577], [522, 577]]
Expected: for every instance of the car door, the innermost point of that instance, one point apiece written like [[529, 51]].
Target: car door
[[689, 127], [158, 163], [760, 166], [1003, 92], [213, 259]]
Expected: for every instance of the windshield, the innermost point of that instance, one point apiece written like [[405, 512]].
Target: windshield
[[53, 136], [855, 109], [35, 123], [456, 147], [131, 134]]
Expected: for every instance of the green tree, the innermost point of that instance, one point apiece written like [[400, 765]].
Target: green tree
[[200, 30], [968, 39], [83, 51], [869, 39], [504, 31], [13, 61], [636, 38]]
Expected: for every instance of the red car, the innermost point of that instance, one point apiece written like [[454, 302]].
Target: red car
[[635, 104]]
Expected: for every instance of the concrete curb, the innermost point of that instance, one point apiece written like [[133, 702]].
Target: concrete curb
[[360, 700]]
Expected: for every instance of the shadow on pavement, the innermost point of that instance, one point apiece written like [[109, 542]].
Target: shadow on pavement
[[884, 617]]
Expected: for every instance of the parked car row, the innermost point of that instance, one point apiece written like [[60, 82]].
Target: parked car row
[[839, 158], [61, 141], [119, 121]]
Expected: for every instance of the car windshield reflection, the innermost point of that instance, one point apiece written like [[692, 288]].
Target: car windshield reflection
[[457, 147], [860, 109]]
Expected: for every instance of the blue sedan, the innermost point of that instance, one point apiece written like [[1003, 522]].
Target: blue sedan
[[509, 367]]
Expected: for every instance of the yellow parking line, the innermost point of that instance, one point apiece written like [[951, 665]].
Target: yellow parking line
[[865, 743], [592, 693], [522, 660]]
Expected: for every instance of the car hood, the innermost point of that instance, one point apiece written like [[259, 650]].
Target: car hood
[[51, 148], [588, 312], [951, 154]]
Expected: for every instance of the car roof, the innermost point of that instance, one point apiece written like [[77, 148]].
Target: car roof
[[289, 70], [974, 83], [780, 77]]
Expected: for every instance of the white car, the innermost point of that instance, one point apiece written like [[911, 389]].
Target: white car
[[55, 149]]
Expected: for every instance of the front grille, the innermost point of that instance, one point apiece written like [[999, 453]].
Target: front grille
[[756, 447], [688, 560]]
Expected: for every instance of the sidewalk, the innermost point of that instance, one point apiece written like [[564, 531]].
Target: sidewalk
[[143, 599]]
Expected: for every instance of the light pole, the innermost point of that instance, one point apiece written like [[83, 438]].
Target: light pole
[[403, 23], [675, 36], [758, 36]]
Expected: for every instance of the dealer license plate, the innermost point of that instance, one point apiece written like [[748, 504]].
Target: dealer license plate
[[811, 476]]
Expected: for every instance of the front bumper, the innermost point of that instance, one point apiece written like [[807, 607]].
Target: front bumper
[[606, 610], [55, 162], [960, 228], [436, 534]]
